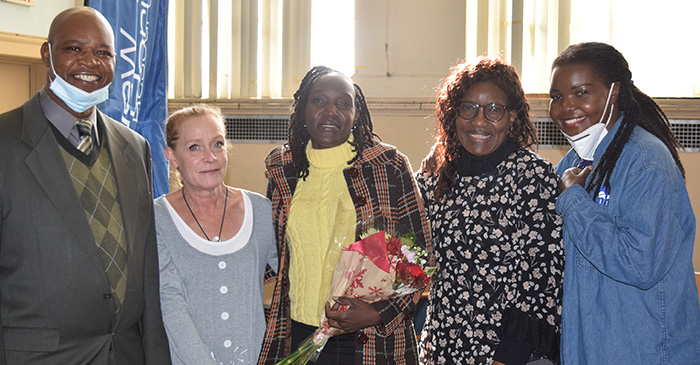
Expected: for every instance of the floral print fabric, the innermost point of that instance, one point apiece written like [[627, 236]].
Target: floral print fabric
[[499, 255]]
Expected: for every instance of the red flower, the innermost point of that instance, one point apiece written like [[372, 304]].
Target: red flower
[[414, 270], [393, 245], [402, 272], [421, 281]]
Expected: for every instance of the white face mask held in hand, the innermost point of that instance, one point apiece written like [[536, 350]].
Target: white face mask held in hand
[[76, 99], [587, 141]]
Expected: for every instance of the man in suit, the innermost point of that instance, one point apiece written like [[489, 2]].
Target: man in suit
[[78, 259]]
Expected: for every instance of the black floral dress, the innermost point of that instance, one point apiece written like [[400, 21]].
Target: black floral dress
[[500, 258]]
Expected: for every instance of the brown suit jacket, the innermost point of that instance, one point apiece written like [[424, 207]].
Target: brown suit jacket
[[55, 306]]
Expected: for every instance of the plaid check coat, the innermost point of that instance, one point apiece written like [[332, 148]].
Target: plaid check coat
[[380, 182]]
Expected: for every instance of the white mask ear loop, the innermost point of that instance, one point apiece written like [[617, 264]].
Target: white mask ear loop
[[612, 106], [53, 70]]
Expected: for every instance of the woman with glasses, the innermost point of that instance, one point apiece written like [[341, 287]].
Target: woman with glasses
[[496, 295]]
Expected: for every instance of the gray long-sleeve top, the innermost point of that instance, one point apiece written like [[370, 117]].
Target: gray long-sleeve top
[[212, 293]]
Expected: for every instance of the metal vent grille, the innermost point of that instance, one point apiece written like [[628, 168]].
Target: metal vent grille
[[257, 128], [687, 131], [548, 134], [273, 129]]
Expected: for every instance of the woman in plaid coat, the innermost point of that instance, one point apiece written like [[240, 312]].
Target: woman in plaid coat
[[333, 164]]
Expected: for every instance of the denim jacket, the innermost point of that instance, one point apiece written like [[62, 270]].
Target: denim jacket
[[630, 295]]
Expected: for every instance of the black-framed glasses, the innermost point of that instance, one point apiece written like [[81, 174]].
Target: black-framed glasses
[[493, 112]]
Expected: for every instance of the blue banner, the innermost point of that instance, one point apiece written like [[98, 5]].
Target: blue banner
[[138, 95]]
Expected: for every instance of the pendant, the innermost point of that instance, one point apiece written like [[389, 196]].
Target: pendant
[[215, 239]]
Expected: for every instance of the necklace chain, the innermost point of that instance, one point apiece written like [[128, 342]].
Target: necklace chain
[[223, 216]]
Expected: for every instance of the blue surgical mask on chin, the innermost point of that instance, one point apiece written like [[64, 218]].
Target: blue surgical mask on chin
[[76, 99], [587, 141]]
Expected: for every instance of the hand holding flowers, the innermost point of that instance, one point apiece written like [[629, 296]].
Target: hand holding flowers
[[378, 267], [348, 315]]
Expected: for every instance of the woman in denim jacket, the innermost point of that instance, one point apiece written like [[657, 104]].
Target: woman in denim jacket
[[630, 295]]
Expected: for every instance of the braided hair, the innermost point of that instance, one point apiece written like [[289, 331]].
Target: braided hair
[[639, 109], [452, 89], [363, 131]]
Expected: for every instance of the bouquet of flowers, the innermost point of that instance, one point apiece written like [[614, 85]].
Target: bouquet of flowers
[[379, 266]]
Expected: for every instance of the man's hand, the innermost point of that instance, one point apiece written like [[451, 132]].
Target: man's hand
[[574, 176], [356, 316]]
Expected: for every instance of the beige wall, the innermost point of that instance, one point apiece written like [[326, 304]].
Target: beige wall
[[423, 39], [691, 162], [21, 70], [16, 74], [32, 20]]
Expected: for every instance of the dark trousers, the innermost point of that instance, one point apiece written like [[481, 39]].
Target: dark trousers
[[339, 350]]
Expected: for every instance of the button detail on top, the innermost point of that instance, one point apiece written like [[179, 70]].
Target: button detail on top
[[227, 343], [362, 339], [353, 172], [107, 296], [224, 316], [361, 200], [222, 265], [223, 289]]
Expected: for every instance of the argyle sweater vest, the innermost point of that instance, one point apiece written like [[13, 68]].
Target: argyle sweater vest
[[93, 179]]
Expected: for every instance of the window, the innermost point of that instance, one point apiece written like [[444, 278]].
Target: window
[[225, 49], [334, 49], [653, 36]]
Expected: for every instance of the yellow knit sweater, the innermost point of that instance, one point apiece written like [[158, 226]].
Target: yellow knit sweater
[[321, 215]]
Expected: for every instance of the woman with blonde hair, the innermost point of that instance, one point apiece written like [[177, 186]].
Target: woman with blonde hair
[[214, 245]]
